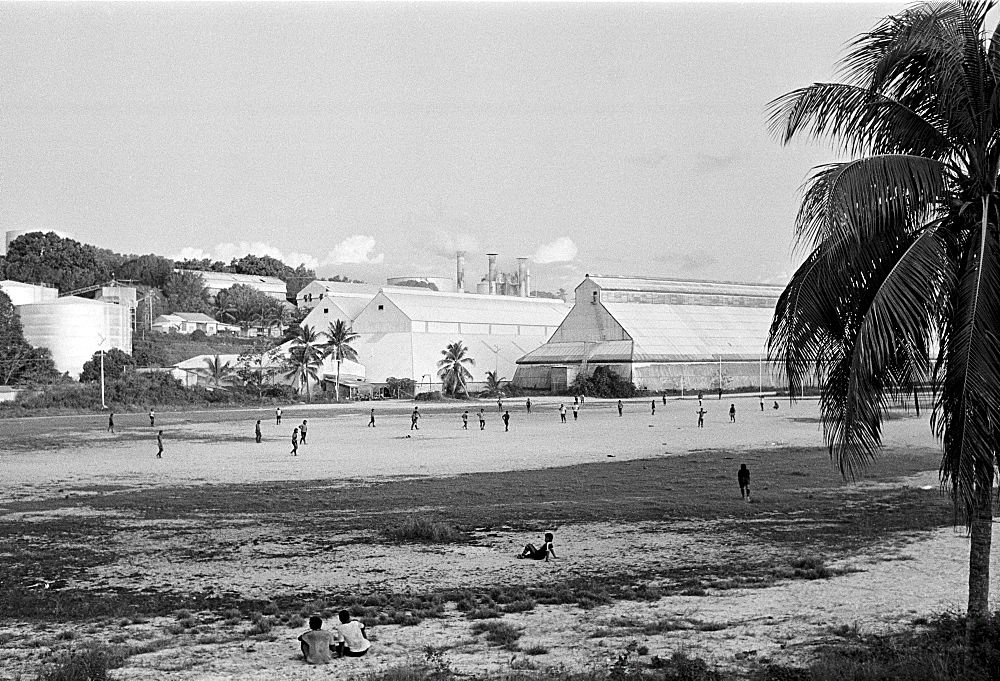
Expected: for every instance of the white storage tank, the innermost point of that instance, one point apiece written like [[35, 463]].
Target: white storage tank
[[72, 328]]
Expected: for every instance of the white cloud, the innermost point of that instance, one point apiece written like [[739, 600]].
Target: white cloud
[[561, 250], [356, 249], [227, 251]]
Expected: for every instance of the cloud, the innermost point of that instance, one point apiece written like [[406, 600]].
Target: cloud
[[561, 250], [356, 249], [227, 251]]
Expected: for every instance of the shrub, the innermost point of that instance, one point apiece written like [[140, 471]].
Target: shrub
[[498, 633], [604, 382], [92, 663], [423, 530]]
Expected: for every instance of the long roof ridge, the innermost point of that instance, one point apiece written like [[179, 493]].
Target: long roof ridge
[[673, 280]]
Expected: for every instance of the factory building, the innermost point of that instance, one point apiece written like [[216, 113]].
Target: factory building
[[403, 331], [220, 281], [661, 334]]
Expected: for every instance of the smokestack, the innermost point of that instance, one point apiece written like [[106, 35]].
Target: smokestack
[[522, 277], [460, 274], [491, 276]]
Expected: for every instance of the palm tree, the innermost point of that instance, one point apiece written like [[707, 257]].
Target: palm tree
[[494, 386], [904, 250], [304, 358], [452, 370], [216, 371], [339, 336]]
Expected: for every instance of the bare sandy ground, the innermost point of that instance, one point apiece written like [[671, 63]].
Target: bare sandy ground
[[919, 575]]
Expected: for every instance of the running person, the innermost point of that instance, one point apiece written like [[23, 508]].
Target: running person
[[302, 431], [371, 420], [652, 406], [414, 417], [465, 420], [576, 411], [295, 442], [256, 432]]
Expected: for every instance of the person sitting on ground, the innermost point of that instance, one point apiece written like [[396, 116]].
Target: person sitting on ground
[[317, 644], [541, 553], [353, 639]]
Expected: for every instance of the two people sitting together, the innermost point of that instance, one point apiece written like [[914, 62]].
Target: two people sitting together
[[346, 639]]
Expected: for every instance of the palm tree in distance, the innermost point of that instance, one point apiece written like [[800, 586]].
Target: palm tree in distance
[[494, 386], [304, 358], [338, 344], [216, 371], [452, 369], [904, 250]]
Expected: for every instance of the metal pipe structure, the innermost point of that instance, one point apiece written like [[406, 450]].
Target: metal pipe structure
[[522, 277], [460, 274], [491, 275]]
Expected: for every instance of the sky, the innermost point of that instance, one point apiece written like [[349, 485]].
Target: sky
[[376, 139]]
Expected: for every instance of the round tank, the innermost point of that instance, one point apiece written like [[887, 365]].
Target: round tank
[[72, 329]]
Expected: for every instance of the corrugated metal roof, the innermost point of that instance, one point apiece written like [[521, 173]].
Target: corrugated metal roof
[[224, 277], [575, 352], [693, 332], [431, 306], [193, 316], [658, 285], [348, 288]]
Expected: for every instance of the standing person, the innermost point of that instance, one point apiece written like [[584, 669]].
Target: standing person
[[499, 404], [701, 418], [621, 407], [111, 422], [371, 419], [506, 421], [414, 417], [576, 400], [562, 413], [653, 407], [303, 429], [527, 405], [465, 420], [743, 477], [256, 432], [152, 418], [277, 416], [482, 418], [762, 403], [583, 398], [159, 445], [720, 393], [295, 442], [732, 413], [353, 639], [664, 399], [576, 411]]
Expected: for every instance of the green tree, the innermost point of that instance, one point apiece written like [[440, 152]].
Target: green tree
[[338, 345], [186, 292], [452, 369], [38, 258], [147, 270], [116, 363], [256, 366], [20, 362], [246, 306], [216, 371], [905, 249], [400, 387], [494, 386], [304, 359]]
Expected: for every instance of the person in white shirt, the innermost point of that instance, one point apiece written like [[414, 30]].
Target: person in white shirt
[[317, 644], [353, 639]]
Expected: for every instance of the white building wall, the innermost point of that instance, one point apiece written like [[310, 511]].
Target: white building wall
[[23, 294], [72, 329]]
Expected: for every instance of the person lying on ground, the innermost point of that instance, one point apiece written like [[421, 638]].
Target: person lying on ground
[[541, 553], [353, 639], [317, 644]]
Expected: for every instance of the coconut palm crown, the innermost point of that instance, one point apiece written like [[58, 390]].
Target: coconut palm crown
[[339, 337], [452, 369], [902, 281], [304, 358]]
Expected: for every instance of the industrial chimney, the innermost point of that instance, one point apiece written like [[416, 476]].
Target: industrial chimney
[[522, 277], [460, 274], [491, 275]]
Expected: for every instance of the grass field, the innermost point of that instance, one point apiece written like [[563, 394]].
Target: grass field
[[207, 561]]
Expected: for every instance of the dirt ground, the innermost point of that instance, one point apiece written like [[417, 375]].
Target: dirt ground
[[51, 467]]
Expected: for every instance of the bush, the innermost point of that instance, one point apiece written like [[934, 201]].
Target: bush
[[603, 383], [423, 530], [498, 633], [92, 663], [199, 336]]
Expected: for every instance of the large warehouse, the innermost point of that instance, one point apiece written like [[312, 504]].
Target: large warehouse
[[403, 331], [662, 334]]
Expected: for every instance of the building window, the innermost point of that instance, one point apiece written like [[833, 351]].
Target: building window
[[326, 310], [381, 307]]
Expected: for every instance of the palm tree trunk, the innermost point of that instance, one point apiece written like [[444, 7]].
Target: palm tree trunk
[[338, 379], [979, 553]]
